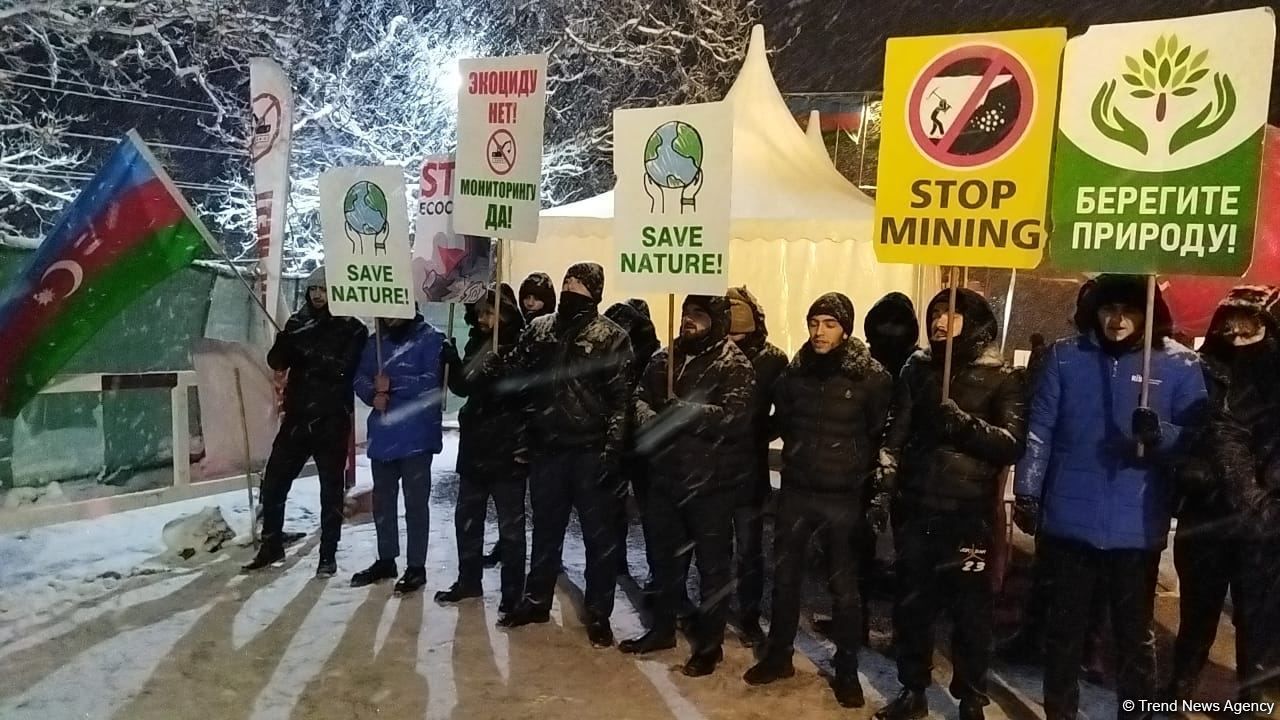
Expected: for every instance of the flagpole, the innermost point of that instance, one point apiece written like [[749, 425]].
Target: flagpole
[[167, 181]]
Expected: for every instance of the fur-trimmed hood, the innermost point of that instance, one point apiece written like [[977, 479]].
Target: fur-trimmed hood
[[989, 357], [856, 362]]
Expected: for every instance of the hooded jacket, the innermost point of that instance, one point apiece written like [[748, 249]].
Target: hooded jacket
[[538, 285], [698, 441], [492, 422], [830, 411], [1079, 461], [575, 374], [1232, 481], [892, 350], [320, 351], [768, 362], [412, 360], [639, 328], [955, 466]]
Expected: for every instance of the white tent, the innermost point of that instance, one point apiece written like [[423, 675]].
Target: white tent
[[800, 228]]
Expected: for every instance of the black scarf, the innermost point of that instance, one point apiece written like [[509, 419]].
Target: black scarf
[[574, 311]]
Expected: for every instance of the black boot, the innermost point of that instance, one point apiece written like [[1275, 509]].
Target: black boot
[[845, 683], [600, 634], [413, 580], [848, 690], [752, 634], [525, 614], [268, 555], [703, 663], [459, 592], [909, 705], [971, 710], [326, 568], [769, 670], [652, 641], [377, 572]]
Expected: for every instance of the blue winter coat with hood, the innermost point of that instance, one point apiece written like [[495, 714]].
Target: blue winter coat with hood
[[412, 360], [1080, 462]]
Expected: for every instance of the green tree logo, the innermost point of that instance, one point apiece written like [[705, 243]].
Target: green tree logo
[[1164, 70]]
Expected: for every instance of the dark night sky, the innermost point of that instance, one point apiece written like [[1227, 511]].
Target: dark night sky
[[838, 45]]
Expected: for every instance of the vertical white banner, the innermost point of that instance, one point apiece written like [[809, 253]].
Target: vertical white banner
[[501, 106], [365, 220], [447, 266], [272, 131], [673, 198]]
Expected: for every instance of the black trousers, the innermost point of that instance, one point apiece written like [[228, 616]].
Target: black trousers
[[1075, 573], [1210, 562], [836, 523], [325, 440], [507, 488], [943, 563], [559, 482], [748, 557], [685, 522]]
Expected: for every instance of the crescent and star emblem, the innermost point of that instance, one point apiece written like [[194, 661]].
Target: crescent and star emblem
[[46, 295]]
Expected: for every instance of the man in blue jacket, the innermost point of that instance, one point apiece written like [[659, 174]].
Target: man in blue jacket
[[404, 432], [1093, 483]]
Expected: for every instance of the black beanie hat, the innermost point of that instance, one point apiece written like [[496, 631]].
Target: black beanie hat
[[591, 275], [539, 286], [836, 305]]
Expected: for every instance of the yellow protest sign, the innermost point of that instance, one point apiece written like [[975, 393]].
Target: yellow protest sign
[[966, 137]]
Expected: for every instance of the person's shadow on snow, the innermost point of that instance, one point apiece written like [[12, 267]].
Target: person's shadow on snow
[[24, 668], [361, 679], [206, 670]]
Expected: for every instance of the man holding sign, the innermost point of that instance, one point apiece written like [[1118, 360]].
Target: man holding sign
[[945, 460], [1093, 485]]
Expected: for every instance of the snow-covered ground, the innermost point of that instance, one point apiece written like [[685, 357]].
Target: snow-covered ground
[[97, 621]]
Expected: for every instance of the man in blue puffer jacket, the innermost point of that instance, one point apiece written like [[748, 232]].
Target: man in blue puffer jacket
[[404, 433], [1101, 505]]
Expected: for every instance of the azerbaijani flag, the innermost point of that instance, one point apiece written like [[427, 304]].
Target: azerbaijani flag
[[128, 229]]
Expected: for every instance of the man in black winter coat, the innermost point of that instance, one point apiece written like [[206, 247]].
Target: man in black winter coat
[[633, 317], [944, 459], [319, 352], [748, 331], [829, 407], [574, 368], [492, 454], [690, 440], [1228, 533]]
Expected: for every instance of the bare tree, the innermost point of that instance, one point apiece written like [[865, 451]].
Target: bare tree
[[375, 83]]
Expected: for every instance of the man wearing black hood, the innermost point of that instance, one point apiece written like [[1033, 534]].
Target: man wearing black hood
[[748, 331], [944, 459], [319, 352], [892, 331], [830, 408], [687, 439], [574, 368], [493, 439], [1228, 534], [633, 317], [537, 297]]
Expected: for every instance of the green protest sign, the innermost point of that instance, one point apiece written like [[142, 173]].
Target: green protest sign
[[1159, 145]]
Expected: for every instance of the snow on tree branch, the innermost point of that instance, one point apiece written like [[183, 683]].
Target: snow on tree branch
[[374, 83]]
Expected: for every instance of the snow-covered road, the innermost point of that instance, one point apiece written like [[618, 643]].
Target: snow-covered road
[[96, 623]]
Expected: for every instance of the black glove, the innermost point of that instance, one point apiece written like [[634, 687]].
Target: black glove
[[449, 353], [953, 418], [878, 512], [1146, 427], [1026, 514]]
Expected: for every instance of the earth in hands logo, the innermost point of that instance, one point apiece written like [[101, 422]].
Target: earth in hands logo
[[1167, 70], [673, 163], [364, 209]]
